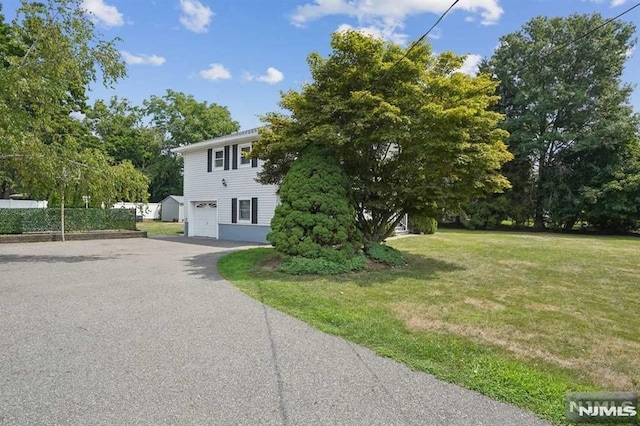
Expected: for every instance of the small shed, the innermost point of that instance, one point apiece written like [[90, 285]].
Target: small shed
[[172, 209]]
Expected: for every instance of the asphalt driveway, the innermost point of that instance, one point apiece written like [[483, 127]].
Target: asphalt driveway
[[144, 331]]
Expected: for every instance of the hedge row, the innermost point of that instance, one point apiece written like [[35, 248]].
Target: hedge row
[[19, 221]]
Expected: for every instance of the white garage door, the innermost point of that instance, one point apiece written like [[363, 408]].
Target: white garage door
[[206, 219]]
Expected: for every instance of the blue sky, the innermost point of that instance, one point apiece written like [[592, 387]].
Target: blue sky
[[242, 53]]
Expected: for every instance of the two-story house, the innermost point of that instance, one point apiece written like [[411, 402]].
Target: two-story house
[[221, 196]]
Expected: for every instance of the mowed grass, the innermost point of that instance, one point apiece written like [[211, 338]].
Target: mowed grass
[[520, 317], [160, 228]]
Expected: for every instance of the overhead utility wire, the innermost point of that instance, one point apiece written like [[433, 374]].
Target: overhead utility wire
[[563, 45], [593, 30], [422, 37]]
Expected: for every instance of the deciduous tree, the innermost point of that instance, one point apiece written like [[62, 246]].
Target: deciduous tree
[[50, 53], [412, 133], [572, 130], [180, 119]]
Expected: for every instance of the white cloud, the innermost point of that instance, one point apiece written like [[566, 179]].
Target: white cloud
[[132, 59], [246, 76], [215, 72], [470, 64], [386, 17], [104, 13], [272, 76], [195, 16], [614, 3], [629, 53]]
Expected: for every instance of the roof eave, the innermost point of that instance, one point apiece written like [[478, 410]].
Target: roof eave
[[247, 136]]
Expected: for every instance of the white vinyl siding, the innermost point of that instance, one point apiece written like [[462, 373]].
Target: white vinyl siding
[[241, 184]]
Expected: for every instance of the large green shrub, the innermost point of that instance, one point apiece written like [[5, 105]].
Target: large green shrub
[[314, 219], [423, 224], [486, 213]]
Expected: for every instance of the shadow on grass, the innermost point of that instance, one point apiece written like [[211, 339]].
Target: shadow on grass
[[418, 267], [16, 258], [261, 264]]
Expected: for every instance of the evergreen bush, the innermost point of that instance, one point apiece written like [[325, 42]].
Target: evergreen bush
[[423, 224], [314, 219]]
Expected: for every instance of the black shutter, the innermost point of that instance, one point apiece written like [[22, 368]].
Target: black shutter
[[234, 165], [234, 210], [209, 160], [254, 162], [254, 210], [226, 157]]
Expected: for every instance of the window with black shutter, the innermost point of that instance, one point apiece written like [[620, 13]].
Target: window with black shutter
[[226, 157], [254, 210], [234, 164], [209, 160]]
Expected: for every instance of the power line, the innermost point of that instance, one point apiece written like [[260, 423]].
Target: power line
[[422, 37], [593, 30], [563, 45]]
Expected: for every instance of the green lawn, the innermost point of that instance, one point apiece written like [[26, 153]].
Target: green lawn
[[520, 317], [160, 228]]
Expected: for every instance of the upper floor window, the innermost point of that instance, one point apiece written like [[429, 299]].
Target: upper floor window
[[244, 151], [218, 160]]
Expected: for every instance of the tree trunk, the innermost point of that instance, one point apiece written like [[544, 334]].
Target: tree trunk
[[5, 190], [568, 225], [538, 222]]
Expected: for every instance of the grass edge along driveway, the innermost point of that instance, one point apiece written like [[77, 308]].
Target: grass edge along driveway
[[522, 318]]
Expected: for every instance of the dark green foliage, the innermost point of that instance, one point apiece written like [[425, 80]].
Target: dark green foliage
[[298, 265], [314, 219], [423, 224], [10, 223], [385, 254], [486, 213], [572, 129], [18, 221], [165, 176]]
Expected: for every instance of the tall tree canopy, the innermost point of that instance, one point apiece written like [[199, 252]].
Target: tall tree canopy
[[412, 135], [121, 130], [180, 119], [144, 134], [50, 54], [572, 130]]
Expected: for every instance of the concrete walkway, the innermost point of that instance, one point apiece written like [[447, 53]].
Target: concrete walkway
[[144, 331]]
